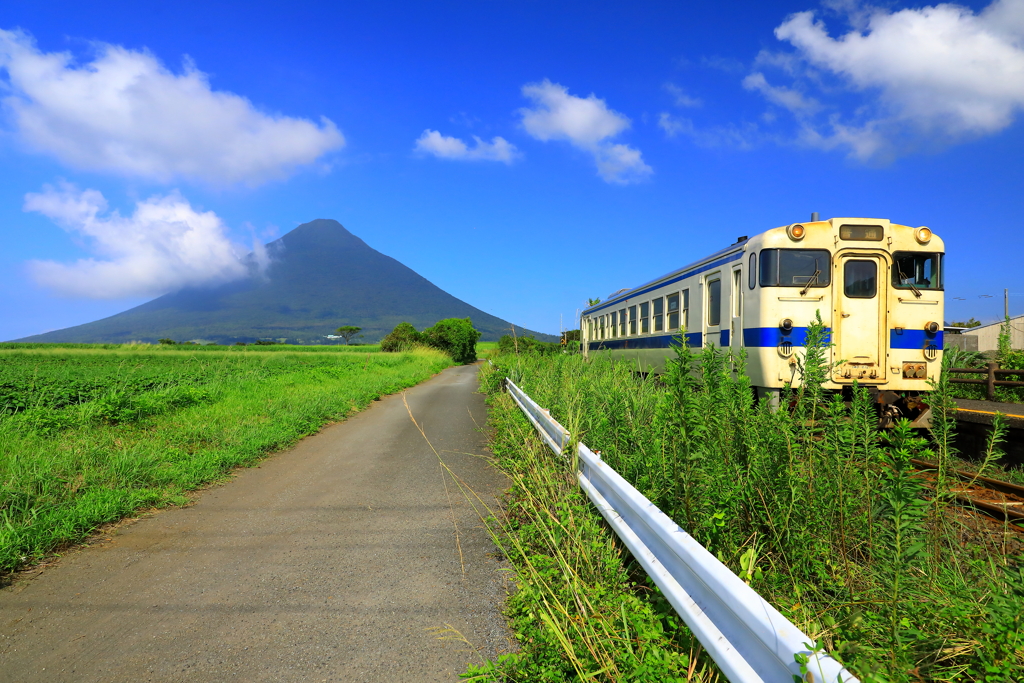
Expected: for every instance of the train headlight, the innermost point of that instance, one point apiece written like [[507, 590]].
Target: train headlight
[[923, 235], [931, 327], [786, 325], [796, 231]]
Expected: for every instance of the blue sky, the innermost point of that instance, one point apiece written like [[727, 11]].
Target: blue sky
[[523, 156]]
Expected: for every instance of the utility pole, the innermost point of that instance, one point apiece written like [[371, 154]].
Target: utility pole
[[1006, 304]]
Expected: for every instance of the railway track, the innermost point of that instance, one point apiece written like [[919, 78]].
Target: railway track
[[1000, 499]]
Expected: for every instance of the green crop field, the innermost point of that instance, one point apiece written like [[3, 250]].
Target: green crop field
[[90, 434]]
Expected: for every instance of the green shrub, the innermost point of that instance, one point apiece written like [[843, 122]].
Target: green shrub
[[510, 344], [403, 338], [454, 336]]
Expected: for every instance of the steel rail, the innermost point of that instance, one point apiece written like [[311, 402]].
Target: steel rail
[[746, 636], [992, 508]]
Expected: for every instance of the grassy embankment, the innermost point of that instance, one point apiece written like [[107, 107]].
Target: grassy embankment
[[811, 505], [90, 435]]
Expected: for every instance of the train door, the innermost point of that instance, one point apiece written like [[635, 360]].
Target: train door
[[858, 321]]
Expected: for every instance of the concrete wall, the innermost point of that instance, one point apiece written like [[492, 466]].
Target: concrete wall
[[963, 342], [988, 336]]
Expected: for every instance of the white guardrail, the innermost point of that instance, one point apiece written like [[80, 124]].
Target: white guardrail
[[748, 638]]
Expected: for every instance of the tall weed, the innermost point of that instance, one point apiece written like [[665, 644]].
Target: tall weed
[[809, 503]]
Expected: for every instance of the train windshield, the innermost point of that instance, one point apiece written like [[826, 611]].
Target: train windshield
[[914, 269], [796, 268]]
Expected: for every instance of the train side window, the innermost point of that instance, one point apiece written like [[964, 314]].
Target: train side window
[[673, 311], [714, 302], [860, 278], [752, 271], [685, 321], [615, 324], [658, 314], [622, 322], [632, 319], [645, 311], [602, 327]]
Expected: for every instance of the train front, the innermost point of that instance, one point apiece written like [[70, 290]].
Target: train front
[[881, 294]]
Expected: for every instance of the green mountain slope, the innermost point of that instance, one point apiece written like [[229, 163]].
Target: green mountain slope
[[321, 276]]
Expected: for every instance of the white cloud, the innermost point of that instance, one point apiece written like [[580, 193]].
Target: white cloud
[[124, 112], [444, 147], [789, 98], [588, 124], [718, 136], [680, 98], [163, 246], [930, 76]]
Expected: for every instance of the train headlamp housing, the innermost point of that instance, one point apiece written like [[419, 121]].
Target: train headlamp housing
[[931, 327], [797, 231], [786, 325], [923, 235]]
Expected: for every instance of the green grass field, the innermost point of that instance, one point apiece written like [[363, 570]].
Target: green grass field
[[90, 434]]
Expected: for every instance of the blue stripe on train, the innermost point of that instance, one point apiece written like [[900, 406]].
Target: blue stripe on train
[[902, 338], [773, 336], [662, 341], [755, 337]]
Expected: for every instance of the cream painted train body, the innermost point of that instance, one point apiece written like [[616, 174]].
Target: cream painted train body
[[877, 285]]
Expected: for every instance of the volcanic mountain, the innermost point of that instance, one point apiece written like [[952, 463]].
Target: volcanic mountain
[[320, 277]]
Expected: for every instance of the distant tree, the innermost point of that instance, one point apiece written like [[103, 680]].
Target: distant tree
[[570, 335], [170, 342], [455, 336], [403, 338], [346, 332], [970, 323], [264, 342], [593, 302]]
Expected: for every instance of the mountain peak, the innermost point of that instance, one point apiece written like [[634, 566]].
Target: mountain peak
[[320, 277]]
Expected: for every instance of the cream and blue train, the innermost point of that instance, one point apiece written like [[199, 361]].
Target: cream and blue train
[[877, 285]]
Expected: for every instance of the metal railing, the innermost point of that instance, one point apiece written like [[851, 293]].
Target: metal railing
[[748, 638], [990, 381]]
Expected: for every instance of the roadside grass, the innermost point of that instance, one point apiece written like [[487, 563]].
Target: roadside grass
[[155, 425], [811, 505], [580, 611]]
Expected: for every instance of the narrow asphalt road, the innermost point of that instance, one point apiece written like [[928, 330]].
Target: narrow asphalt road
[[335, 561]]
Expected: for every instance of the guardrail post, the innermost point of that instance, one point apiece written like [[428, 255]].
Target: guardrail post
[[990, 386]]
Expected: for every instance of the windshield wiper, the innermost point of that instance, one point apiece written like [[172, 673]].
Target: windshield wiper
[[917, 292], [814, 278]]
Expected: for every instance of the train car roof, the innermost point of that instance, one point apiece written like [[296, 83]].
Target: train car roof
[[706, 263]]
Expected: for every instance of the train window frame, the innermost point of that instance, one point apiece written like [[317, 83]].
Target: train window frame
[[684, 309], [752, 270], [622, 322], [737, 286], [632, 320], [897, 280], [673, 322], [601, 322], [658, 314], [645, 317], [846, 280], [714, 299], [770, 269], [613, 318]]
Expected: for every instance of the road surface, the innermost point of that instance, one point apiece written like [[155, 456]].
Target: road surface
[[334, 561]]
